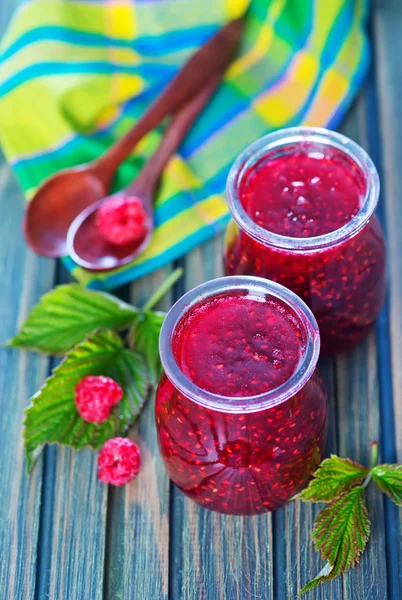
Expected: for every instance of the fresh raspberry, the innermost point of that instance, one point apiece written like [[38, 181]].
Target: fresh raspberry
[[121, 220], [119, 461], [95, 397]]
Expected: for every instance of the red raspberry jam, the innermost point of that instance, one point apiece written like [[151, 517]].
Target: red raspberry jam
[[220, 344], [302, 194], [240, 409], [303, 201]]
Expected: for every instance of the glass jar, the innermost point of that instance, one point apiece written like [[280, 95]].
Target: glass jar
[[341, 274], [230, 452]]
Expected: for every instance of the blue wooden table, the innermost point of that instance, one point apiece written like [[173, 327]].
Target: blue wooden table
[[64, 536]]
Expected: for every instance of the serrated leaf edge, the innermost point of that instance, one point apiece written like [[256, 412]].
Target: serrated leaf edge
[[15, 343], [322, 474]]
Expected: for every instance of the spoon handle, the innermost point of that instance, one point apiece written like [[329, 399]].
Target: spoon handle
[[212, 58], [146, 181]]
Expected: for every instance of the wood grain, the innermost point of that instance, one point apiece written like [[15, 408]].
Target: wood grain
[[387, 28], [137, 562], [24, 279], [73, 521], [65, 536], [74, 509], [385, 98]]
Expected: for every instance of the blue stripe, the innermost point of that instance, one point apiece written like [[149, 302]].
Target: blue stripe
[[146, 71], [155, 45], [37, 160], [174, 41], [62, 35], [175, 205], [210, 124]]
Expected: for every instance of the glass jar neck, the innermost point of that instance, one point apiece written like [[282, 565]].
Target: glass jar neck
[[254, 286], [316, 139]]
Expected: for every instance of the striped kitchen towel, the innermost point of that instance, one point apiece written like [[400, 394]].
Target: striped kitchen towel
[[76, 74]]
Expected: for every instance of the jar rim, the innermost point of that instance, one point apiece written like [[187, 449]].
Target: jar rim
[[295, 135], [236, 404]]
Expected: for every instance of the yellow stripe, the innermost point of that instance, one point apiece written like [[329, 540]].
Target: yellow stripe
[[286, 98], [236, 8], [121, 20], [331, 92], [177, 177], [324, 17], [261, 45]]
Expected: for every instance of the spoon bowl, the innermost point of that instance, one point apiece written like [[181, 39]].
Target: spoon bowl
[[55, 206], [90, 250]]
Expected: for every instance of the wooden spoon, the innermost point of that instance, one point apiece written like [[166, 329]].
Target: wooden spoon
[[65, 195], [86, 245]]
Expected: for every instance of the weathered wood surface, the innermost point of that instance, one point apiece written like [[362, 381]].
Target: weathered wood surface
[[24, 279], [65, 536]]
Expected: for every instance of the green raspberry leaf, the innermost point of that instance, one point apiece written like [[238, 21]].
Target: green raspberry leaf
[[144, 338], [67, 314], [389, 479], [341, 531], [333, 477], [52, 416]]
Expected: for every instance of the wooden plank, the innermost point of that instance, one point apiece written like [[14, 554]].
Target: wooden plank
[[386, 112], [74, 519], [73, 522], [217, 557], [137, 561], [24, 279], [388, 27]]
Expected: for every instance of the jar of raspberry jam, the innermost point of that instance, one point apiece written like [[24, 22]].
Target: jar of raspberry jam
[[241, 411], [302, 202]]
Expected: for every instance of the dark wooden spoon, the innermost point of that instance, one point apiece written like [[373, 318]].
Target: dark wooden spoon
[[84, 242], [65, 195]]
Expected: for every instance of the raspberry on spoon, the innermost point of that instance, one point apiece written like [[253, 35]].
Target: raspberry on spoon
[[121, 220], [119, 461], [95, 396]]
